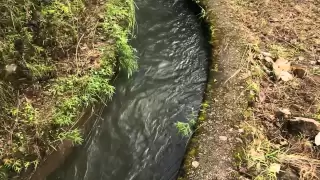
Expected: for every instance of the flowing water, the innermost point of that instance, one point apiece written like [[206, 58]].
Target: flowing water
[[135, 138]]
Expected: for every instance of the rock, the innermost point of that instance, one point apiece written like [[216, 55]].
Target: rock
[[11, 68], [300, 58], [223, 138], [305, 126], [195, 164], [313, 62], [268, 59], [317, 139], [268, 62], [289, 174], [299, 71], [241, 130]]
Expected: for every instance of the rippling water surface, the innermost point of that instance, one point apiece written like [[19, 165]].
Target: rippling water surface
[[135, 138]]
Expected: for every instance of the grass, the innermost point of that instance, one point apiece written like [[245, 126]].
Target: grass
[[261, 27], [67, 52]]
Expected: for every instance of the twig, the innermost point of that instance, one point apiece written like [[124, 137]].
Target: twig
[[234, 74], [77, 53]]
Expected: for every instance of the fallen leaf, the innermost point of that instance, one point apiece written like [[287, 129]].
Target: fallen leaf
[[317, 139], [281, 68], [285, 76], [275, 168]]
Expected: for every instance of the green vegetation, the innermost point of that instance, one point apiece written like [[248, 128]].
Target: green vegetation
[[66, 53], [186, 129]]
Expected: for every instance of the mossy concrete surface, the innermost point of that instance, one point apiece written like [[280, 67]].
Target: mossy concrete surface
[[218, 131]]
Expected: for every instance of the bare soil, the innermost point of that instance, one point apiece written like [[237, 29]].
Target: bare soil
[[268, 57]]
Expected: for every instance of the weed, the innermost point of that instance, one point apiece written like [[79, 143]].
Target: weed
[[73, 135], [186, 129]]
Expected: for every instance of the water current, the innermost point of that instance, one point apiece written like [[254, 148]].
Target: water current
[[135, 137]]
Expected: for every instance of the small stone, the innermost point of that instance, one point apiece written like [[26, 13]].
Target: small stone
[[223, 138], [11, 68], [241, 130], [317, 139], [195, 164], [300, 58], [269, 59], [266, 54], [283, 142]]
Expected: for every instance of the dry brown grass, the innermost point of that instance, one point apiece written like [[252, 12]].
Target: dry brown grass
[[287, 29]]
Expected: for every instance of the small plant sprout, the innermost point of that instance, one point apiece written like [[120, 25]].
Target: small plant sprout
[[186, 129]]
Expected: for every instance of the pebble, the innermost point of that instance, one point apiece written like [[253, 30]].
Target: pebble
[[223, 138], [195, 164], [266, 54]]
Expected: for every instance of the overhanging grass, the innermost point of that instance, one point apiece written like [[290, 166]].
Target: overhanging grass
[[56, 47]]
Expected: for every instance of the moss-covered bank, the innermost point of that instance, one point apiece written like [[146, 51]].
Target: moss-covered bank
[[56, 58]]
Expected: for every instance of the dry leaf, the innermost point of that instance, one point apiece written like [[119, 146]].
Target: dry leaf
[[285, 76], [274, 168], [281, 65]]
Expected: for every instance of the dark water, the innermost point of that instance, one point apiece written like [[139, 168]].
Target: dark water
[[135, 138]]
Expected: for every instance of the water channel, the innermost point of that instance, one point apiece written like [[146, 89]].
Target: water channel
[[135, 137]]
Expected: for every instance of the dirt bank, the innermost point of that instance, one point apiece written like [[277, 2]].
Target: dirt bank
[[260, 119]]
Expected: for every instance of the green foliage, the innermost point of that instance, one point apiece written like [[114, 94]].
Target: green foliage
[[116, 8], [186, 128], [38, 37], [73, 135]]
